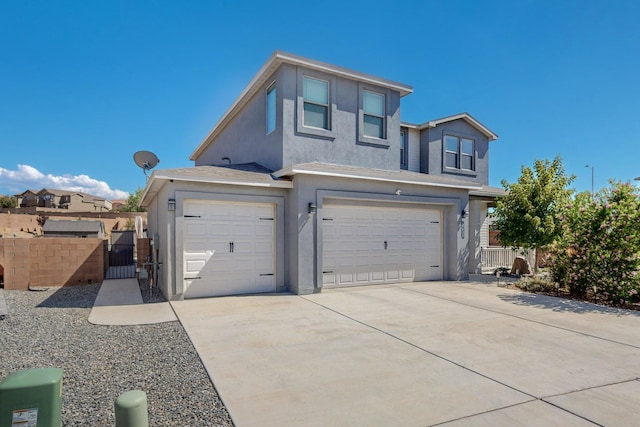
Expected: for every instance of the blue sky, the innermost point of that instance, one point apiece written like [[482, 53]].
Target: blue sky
[[85, 84]]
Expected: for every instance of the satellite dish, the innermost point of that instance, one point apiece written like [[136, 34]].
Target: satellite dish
[[145, 160]]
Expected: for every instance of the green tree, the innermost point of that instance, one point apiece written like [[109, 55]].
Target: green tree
[[600, 248], [8, 202], [130, 224], [527, 216], [133, 202]]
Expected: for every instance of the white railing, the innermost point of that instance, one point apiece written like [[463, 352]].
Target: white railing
[[492, 258]]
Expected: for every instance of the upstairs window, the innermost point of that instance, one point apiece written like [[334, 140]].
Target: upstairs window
[[271, 108], [404, 149], [373, 108], [459, 153], [316, 103]]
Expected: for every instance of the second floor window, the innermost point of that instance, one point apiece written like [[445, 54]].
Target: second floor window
[[459, 153], [316, 103], [373, 114], [271, 109], [404, 149]]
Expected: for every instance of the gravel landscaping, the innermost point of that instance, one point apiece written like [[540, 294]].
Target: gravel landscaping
[[50, 329]]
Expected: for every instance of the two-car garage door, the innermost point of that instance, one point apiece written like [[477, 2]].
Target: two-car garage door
[[371, 244], [228, 248]]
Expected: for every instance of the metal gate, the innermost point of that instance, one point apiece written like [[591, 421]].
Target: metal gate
[[122, 259]]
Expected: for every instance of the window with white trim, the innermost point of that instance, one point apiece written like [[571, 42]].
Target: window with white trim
[[271, 108], [459, 153], [316, 103], [374, 115]]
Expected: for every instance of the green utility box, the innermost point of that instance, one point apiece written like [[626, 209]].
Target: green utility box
[[31, 398], [131, 409]]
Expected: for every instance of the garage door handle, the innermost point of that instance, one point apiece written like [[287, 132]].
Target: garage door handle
[[385, 244], [267, 274], [231, 247], [192, 278], [435, 266]]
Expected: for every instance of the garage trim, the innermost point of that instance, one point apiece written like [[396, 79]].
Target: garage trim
[[181, 196]]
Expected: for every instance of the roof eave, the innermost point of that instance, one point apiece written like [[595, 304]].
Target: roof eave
[[293, 170], [158, 180], [492, 136]]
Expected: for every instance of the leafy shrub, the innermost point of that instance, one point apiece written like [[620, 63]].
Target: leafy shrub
[[600, 246], [536, 284]]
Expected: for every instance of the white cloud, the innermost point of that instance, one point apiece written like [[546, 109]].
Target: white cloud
[[29, 178]]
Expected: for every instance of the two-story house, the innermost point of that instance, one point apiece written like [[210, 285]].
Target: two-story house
[[310, 180]]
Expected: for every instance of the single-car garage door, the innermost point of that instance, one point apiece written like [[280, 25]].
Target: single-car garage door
[[228, 248], [370, 244]]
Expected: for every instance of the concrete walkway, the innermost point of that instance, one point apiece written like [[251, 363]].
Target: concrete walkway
[[419, 354], [119, 303]]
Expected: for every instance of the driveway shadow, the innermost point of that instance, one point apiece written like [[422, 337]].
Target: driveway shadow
[[564, 305]]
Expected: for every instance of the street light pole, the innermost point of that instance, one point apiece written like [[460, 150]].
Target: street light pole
[[590, 166]]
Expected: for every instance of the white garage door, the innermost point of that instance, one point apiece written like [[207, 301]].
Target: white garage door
[[229, 248], [365, 245]]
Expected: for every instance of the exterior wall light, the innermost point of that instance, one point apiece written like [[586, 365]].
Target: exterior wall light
[[171, 205], [463, 214], [312, 208]]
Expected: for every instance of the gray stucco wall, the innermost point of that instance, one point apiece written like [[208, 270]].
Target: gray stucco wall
[[245, 139], [167, 224], [343, 144], [299, 232], [308, 229], [432, 151], [160, 222]]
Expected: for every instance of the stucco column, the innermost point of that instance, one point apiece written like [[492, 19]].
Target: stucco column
[[475, 224]]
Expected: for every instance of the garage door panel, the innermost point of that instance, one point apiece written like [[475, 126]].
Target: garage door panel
[[393, 275], [377, 276], [354, 245], [230, 247], [407, 274]]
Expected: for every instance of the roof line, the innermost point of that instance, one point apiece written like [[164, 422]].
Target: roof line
[[293, 170], [158, 177], [217, 180], [464, 116]]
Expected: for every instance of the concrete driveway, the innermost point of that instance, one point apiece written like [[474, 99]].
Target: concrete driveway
[[418, 354]]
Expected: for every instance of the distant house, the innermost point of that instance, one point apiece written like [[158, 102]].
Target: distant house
[[73, 228], [63, 199], [116, 205], [27, 199]]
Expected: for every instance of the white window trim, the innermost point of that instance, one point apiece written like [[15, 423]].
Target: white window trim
[[272, 87]]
